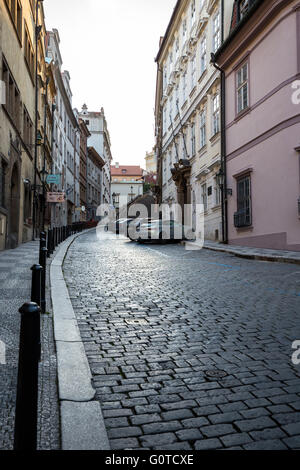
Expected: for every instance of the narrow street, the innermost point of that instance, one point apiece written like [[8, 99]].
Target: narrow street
[[188, 349]]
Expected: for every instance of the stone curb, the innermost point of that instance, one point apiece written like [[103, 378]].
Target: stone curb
[[82, 423], [251, 256]]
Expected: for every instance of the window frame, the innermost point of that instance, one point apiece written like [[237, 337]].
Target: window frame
[[239, 87], [244, 204], [215, 115]]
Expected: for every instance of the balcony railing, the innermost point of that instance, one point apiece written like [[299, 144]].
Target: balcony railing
[[242, 219]]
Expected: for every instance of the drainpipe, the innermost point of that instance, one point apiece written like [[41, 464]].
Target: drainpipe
[[224, 191]]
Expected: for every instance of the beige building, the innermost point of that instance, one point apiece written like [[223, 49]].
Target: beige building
[[151, 162], [17, 119], [188, 110]]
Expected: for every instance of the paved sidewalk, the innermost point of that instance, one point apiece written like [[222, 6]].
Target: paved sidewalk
[[15, 290], [261, 254]]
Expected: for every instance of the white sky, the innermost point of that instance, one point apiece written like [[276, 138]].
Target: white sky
[[109, 46]]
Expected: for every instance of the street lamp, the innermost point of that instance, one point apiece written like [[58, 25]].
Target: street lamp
[[220, 176]]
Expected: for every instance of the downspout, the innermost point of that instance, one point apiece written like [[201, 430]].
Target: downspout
[[223, 153]]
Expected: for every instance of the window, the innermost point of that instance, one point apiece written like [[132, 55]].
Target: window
[[193, 74], [209, 191], [177, 49], [204, 196], [216, 32], [184, 31], [27, 203], [193, 140], [15, 10], [13, 102], [216, 115], [171, 63], [242, 88], [28, 52], [243, 216], [184, 85], [203, 55], [243, 8], [165, 119], [2, 183], [202, 129], [165, 78], [193, 12], [27, 129], [217, 192]]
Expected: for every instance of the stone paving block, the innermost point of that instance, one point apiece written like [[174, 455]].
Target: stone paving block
[[128, 431], [229, 417], [255, 424], [236, 439], [189, 434], [208, 444], [161, 427], [292, 429], [158, 439], [274, 444], [217, 430]]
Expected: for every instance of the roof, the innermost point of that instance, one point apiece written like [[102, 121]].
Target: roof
[[126, 170], [236, 25]]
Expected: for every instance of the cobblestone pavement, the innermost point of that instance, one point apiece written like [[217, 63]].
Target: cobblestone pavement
[[188, 349], [15, 289]]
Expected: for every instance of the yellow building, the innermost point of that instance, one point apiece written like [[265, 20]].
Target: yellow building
[[17, 116]]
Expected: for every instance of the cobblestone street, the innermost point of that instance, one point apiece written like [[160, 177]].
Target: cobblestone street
[[188, 349]]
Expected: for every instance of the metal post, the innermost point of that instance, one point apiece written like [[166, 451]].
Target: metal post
[[43, 263], [49, 244], [36, 284], [25, 435]]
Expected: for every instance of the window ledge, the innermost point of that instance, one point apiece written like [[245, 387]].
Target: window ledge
[[243, 113], [216, 208], [202, 75], [215, 137], [3, 211], [245, 229]]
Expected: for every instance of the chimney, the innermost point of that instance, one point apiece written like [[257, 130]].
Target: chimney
[[117, 165]]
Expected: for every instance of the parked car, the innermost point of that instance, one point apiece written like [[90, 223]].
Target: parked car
[[135, 227], [162, 231]]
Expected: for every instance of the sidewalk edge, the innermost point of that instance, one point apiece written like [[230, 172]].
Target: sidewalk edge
[[76, 400], [257, 257]]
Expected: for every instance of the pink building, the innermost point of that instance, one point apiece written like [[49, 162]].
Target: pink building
[[261, 66]]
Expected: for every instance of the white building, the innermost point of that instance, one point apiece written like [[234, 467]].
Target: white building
[[188, 110], [127, 184], [100, 141], [66, 140]]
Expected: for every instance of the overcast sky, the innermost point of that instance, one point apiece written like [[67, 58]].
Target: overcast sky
[[109, 46]]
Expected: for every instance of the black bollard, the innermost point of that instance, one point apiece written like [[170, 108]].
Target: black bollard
[[43, 263], [25, 433], [48, 243], [36, 284]]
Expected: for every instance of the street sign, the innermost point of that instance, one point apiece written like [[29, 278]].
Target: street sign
[[57, 198], [53, 179]]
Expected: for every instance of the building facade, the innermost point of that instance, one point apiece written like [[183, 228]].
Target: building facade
[[95, 165], [24, 159], [187, 110], [127, 184], [262, 123], [84, 134], [100, 140], [66, 141]]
